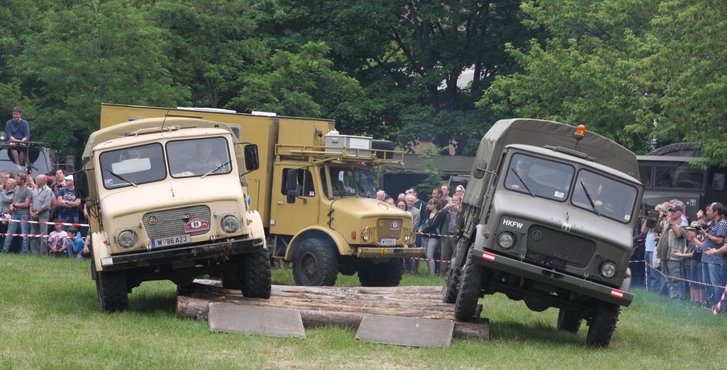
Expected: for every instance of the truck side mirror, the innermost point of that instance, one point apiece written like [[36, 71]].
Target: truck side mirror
[[81, 182], [480, 167], [252, 160]]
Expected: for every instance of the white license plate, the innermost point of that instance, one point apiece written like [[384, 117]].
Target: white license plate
[[173, 240], [388, 242]]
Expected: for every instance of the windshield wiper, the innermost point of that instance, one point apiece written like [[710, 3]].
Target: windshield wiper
[[118, 176], [217, 168], [590, 200], [522, 181]]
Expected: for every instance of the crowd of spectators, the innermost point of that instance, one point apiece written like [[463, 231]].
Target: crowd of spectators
[[435, 221], [28, 204], [685, 259]]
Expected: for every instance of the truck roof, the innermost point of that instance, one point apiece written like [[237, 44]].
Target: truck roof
[[538, 132], [145, 126]]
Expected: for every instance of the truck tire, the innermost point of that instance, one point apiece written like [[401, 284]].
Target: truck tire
[[315, 263], [602, 325], [112, 292], [385, 274], [454, 272], [568, 321], [256, 275], [469, 291]]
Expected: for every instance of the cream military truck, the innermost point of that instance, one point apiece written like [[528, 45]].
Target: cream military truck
[[314, 191], [547, 218], [166, 200]]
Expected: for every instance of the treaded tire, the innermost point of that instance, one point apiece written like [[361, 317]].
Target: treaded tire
[[315, 263], [568, 321], [602, 325], [385, 274], [112, 292], [454, 272], [256, 278], [469, 291]]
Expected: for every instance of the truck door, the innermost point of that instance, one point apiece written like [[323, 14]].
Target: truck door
[[295, 201]]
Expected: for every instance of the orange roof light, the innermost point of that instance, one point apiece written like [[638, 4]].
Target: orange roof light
[[580, 132]]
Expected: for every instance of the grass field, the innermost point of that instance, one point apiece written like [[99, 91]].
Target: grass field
[[49, 319]]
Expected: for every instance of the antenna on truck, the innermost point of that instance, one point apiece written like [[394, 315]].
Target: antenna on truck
[[164, 120]]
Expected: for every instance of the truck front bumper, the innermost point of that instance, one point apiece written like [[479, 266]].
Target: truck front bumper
[[387, 252], [221, 249], [551, 277]]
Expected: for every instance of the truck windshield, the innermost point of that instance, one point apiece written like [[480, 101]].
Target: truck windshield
[[349, 181], [604, 196], [133, 166], [199, 157], [539, 177]]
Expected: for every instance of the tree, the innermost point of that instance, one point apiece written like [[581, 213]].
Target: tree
[[210, 44], [90, 53], [303, 84]]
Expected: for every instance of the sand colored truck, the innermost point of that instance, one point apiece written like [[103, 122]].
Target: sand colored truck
[[548, 219], [166, 201], [315, 192]]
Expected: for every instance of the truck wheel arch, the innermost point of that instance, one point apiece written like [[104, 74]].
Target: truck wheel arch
[[318, 233], [99, 249], [257, 229]]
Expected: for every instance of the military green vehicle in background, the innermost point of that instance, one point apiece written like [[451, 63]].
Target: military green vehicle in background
[[547, 218]]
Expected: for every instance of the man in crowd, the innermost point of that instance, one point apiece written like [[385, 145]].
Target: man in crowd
[[40, 206], [68, 202], [449, 241], [18, 134], [20, 209], [437, 196], [381, 195], [714, 237], [413, 205], [673, 232], [445, 193]]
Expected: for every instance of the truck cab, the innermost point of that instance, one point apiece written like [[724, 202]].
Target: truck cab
[[167, 200], [553, 226]]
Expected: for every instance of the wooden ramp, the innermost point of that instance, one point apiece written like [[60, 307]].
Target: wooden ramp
[[325, 306]]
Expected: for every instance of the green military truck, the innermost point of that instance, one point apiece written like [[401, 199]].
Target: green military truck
[[547, 219], [166, 200]]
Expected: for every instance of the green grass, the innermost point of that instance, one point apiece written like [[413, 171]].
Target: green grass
[[49, 319]]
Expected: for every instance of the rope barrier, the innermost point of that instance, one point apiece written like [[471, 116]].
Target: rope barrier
[[8, 219]]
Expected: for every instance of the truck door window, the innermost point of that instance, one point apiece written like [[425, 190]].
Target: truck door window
[[678, 176], [133, 166], [645, 174], [539, 177], [604, 196], [299, 181], [199, 157], [349, 181]]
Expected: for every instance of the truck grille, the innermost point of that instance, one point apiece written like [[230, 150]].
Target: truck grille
[[389, 228], [171, 222], [556, 249]]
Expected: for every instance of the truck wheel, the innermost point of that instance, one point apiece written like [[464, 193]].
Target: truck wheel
[[602, 325], [256, 280], [568, 321], [315, 263], [469, 291], [111, 291], [454, 272], [381, 274]]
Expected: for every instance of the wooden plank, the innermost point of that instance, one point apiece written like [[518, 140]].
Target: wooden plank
[[406, 331], [274, 322], [321, 306]]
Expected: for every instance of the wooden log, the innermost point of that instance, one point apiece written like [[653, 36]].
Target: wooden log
[[323, 306]]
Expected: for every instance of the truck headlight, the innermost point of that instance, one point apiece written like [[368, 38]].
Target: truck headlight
[[127, 238], [608, 269], [230, 224], [365, 234], [506, 240]]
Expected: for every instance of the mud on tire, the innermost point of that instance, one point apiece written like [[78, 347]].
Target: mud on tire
[[602, 325], [469, 291], [256, 278], [112, 292], [385, 274], [315, 263]]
